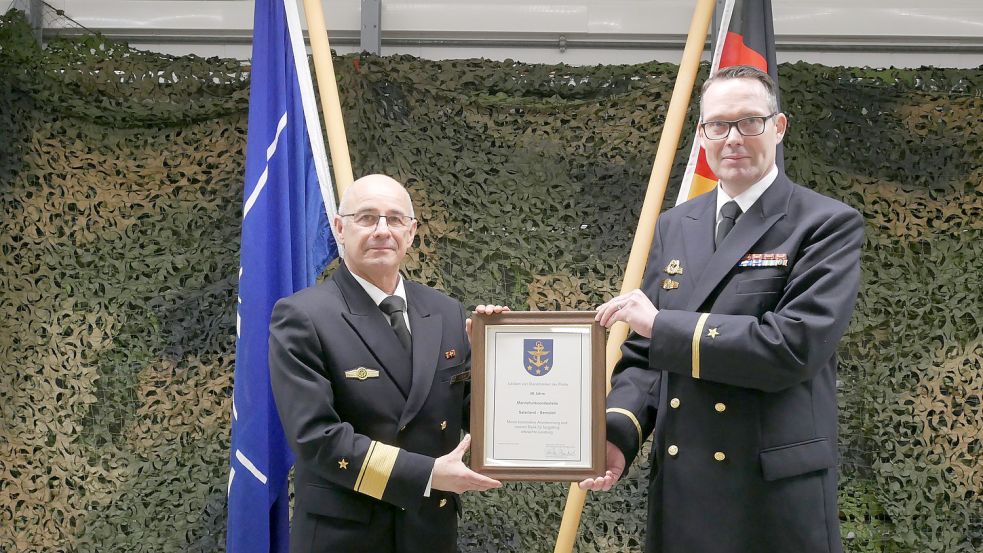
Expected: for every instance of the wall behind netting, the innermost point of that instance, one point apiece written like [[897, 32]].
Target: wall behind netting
[[120, 194]]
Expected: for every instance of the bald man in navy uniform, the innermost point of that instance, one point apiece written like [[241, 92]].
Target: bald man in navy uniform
[[731, 362], [371, 377]]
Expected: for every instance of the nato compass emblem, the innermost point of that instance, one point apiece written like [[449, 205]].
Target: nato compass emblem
[[539, 356]]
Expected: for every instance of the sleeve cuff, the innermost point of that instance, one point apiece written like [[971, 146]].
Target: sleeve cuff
[[625, 432]]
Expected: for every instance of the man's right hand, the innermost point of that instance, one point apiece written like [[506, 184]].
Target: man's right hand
[[616, 466], [450, 474], [484, 310]]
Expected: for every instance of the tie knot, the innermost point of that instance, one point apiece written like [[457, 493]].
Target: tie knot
[[393, 304], [730, 210]]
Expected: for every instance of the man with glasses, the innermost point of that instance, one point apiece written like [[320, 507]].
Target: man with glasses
[[731, 362], [371, 377]]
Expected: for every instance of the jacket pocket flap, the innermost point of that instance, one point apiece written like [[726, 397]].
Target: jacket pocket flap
[[767, 285], [336, 502], [795, 459], [453, 374]]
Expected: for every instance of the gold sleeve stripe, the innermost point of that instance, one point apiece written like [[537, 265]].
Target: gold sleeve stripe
[[631, 417], [376, 469], [697, 333]]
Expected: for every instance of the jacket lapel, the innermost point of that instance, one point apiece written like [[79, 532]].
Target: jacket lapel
[[426, 330], [698, 227], [371, 325], [750, 227]]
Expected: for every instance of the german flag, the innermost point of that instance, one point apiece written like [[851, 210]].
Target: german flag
[[746, 37]]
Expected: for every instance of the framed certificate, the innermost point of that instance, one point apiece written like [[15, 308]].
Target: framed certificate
[[537, 396]]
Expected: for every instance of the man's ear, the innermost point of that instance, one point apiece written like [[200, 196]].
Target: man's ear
[[781, 125], [336, 225]]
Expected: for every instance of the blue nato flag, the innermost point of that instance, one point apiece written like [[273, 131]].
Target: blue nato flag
[[286, 243]]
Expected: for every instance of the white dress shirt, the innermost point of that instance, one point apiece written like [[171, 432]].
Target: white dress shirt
[[378, 295], [747, 198]]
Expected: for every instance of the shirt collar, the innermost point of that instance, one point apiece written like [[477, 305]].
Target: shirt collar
[[376, 293], [747, 198]]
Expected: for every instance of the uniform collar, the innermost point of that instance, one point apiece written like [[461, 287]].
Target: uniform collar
[[376, 293], [747, 198]]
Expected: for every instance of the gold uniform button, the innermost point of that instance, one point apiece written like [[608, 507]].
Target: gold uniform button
[[443, 502], [720, 407], [443, 425], [674, 403], [673, 450], [719, 456]]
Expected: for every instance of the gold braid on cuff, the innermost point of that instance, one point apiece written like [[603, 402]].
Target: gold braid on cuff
[[631, 417], [376, 469], [697, 332]]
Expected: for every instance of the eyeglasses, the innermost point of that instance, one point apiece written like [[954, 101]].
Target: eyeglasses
[[748, 126], [368, 219]]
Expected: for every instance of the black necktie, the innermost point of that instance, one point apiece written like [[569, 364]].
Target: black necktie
[[394, 306], [728, 216]]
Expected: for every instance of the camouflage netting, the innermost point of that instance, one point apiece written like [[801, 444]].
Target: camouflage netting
[[120, 180]]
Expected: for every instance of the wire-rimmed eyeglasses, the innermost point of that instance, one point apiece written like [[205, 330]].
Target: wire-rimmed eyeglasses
[[367, 219]]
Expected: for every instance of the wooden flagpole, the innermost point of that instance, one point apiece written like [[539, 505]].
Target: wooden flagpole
[[668, 142], [327, 85]]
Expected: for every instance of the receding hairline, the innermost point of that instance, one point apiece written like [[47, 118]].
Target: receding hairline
[[367, 180]]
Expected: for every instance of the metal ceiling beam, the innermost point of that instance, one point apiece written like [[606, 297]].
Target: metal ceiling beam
[[371, 37]]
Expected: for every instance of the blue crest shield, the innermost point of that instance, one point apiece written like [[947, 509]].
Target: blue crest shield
[[538, 356]]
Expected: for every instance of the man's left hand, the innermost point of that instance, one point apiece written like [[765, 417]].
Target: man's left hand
[[634, 308], [452, 475]]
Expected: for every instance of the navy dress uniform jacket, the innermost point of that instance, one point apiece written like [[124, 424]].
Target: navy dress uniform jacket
[[738, 381], [366, 420]]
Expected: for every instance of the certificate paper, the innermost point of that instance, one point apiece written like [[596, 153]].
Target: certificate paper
[[536, 390]]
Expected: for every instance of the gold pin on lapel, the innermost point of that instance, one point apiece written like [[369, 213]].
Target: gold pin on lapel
[[712, 333], [674, 268], [343, 464], [443, 502], [443, 425], [450, 354], [669, 284], [361, 373]]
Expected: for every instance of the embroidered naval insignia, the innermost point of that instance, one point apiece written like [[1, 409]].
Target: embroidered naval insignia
[[450, 354], [539, 356], [669, 284], [674, 268], [764, 260], [361, 373], [343, 464], [712, 333]]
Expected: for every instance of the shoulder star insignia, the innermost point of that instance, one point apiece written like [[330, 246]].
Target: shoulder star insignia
[[343, 464], [712, 333]]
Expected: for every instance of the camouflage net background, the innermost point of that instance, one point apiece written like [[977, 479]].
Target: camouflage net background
[[120, 195]]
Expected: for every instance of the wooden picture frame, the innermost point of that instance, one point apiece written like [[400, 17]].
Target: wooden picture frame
[[538, 387]]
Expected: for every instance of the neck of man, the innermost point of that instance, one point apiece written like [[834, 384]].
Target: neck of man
[[734, 190], [383, 280]]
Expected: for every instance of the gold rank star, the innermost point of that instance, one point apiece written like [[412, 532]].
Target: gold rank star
[[343, 464], [712, 333]]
